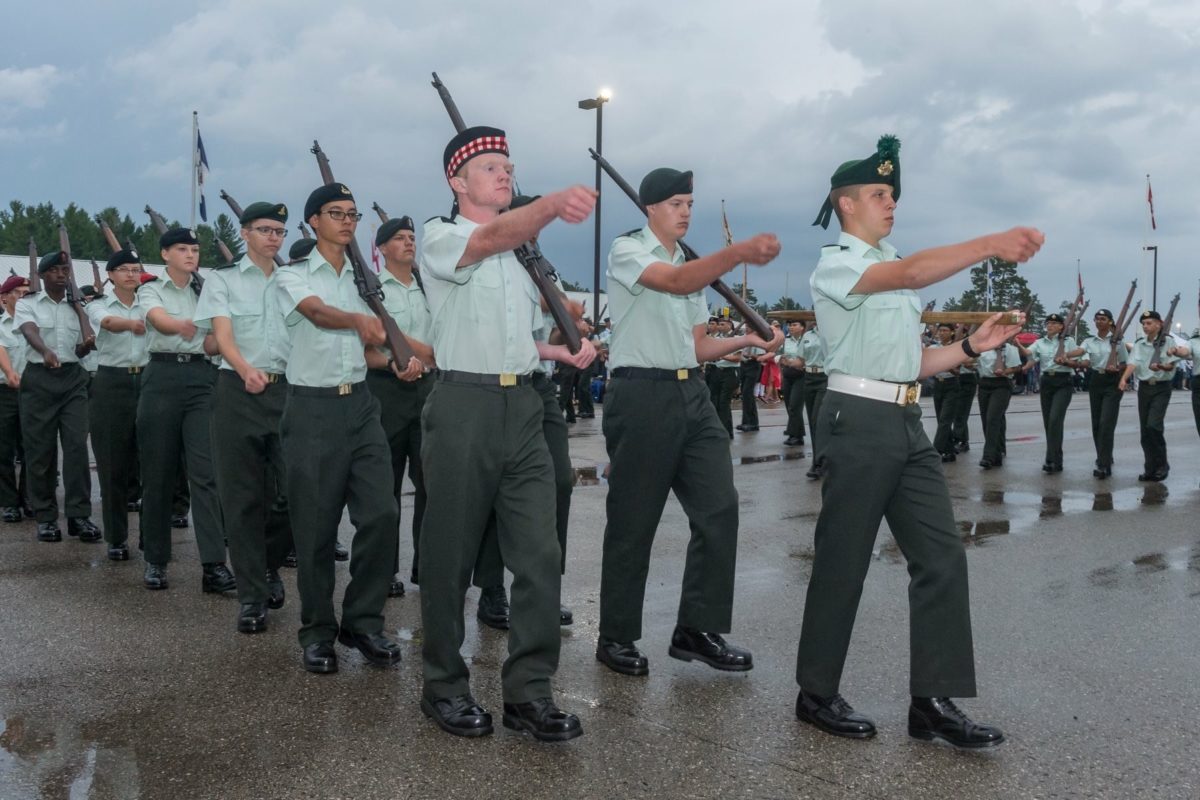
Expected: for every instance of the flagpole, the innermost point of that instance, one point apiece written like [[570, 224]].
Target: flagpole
[[195, 164]]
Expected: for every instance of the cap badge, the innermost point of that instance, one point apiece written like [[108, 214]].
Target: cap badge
[[885, 168]]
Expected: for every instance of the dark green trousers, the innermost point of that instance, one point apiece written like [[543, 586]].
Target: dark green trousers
[[814, 395], [1105, 399], [945, 408], [174, 418], [400, 405], [749, 374], [1196, 398], [583, 389], [663, 436], [483, 450], [54, 408], [489, 567], [113, 412], [1153, 399], [337, 457], [879, 463], [994, 397], [251, 480], [968, 383], [13, 491], [721, 383], [792, 389], [1056, 392], [567, 378]]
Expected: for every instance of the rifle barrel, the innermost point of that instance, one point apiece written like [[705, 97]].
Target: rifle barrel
[[927, 317]]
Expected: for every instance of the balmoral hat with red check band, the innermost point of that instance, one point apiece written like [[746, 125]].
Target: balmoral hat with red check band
[[882, 166], [470, 143]]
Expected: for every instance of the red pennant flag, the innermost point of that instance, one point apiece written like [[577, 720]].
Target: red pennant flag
[[1150, 200]]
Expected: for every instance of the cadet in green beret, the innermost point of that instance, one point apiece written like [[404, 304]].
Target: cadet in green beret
[[13, 490], [879, 462], [812, 351], [174, 417], [240, 305], [791, 370], [1104, 395], [1152, 358], [120, 324], [1052, 351], [945, 397], [54, 403], [663, 433]]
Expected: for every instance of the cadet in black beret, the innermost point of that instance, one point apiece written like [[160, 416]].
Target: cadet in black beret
[[121, 258], [390, 228], [1154, 364], [50, 260], [301, 248], [1053, 352], [328, 193], [1104, 396], [1150, 314], [176, 236], [663, 183], [263, 210]]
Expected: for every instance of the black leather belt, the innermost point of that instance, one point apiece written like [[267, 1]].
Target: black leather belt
[[272, 377], [327, 391], [120, 370], [178, 358], [505, 379], [651, 374]]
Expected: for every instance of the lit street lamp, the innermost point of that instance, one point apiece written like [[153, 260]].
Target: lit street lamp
[[597, 102]]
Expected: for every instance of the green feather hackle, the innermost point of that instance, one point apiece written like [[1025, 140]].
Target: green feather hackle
[[888, 147]]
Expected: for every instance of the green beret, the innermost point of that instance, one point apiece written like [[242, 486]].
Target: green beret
[[301, 248], [1054, 318], [469, 143], [177, 236], [390, 228], [663, 183], [882, 166], [1149, 315], [52, 259], [521, 200], [122, 257], [262, 210], [328, 193]]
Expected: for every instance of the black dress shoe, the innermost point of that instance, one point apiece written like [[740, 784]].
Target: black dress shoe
[[587, 416], [12, 514], [375, 647], [938, 718], [48, 532], [118, 552], [155, 576], [689, 644], [252, 618], [816, 472], [748, 428], [396, 587], [1152, 477], [320, 658], [275, 592], [133, 506], [621, 657], [739, 427], [493, 608], [962, 447], [543, 719], [461, 715], [1102, 472], [412, 578], [84, 528], [948, 457], [793, 441], [290, 561], [1051, 466], [833, 715], [565, 617], [217, 578], [27, 511], [340, 553], [179, 521]]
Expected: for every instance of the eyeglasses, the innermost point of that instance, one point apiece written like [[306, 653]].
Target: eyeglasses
[[268, 231], [129, 270], [337, 215]]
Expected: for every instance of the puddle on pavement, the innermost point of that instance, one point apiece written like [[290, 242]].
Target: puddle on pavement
[[1177, 559]]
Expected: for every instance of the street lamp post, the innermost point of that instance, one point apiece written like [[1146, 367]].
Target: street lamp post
[[597, 103], [1154, 284]]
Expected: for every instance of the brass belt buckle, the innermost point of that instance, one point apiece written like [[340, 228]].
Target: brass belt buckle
[[343, 389], [912, 394], [681, 374], [508, 379], [272, 377]]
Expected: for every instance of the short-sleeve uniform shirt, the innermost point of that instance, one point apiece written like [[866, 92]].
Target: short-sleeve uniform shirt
[[57, 322], [1143, 353], [1045, 350], [243, 294], [179, 302], [988, 358], [1096, 352], [123, 348], [13, 342]]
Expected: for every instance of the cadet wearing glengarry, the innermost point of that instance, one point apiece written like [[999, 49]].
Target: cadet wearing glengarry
[[663, 434], [1104, 392], [333, 444], [54, 404], [996, 368], [174, 415], [1056, 385], [240, 305], [879, 460], [120, 323], [791, 368], [13, 492], [1155, 369]]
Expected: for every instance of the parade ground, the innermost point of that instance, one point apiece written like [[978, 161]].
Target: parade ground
[[1084, 594]]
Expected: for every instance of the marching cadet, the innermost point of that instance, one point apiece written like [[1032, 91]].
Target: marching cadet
[[240, 305], [174, 416], [13, 491], [996, 368], [663, 434], [1155, 369], [812, 351], [54, 404], [945, 397], [1104, 393], [333, 443], [880, 462], [1056, 385], [401, 400], [1191, 350], [483, 448], [749, 373], [120, 324], [791, 369], [724, 377], [968, 384]]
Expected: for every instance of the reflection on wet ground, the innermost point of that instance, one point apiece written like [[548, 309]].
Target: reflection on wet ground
[[1179, 559]]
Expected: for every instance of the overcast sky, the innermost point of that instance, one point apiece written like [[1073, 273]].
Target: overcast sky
[[1027, 112]]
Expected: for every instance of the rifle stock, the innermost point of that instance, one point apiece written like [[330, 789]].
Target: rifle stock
[[1072, 316], [85, 324], [1119, 328], [383, 217], [1165, 332], [304, 231], [35, 280], [110, 237], [237, 213], [753, 319]]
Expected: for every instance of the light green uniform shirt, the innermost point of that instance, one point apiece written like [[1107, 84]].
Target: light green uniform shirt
[[1045, 350], [245, 296], [789, 349], [14, 343], [118, 349], [812, 350], [543, 335], [1143, 353], [650, 328], [944, 373], [987, 361], [875, 336], [58, 323], [180, 303], [485, 314], [1096, 352], [408, 306], [320, 356], [723, 363], [1194, 345]]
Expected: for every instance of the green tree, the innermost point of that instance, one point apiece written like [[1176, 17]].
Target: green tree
[[751, 300], [786, 304], [572, 286], [1009, 290]]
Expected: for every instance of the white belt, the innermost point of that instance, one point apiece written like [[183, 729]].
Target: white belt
[[902, 394]]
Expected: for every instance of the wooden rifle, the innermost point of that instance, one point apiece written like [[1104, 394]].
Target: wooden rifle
[[237, 213], [369, 288], [540, 270], [927, 317], [1072, 316], [304, 231], [753, 319], [1165, 333], [160, 225], [1119, 328], [85, 324], [35, 280]]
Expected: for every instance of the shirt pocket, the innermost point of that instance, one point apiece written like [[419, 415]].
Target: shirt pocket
[[487, 276], [245, 307]]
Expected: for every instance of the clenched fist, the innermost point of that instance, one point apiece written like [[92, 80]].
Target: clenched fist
[[760, 249], [1017, 245]]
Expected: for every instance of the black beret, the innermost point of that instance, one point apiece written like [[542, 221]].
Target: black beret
[[390, 228], [470, 143], [52, 259], [521, 200], [1054, 318], [122, 257], [1150, 315], [263, 210], [663, 183], [87, 290], [301, 248], [882, 166], [328, 193], [177, 236], [1104, 312]]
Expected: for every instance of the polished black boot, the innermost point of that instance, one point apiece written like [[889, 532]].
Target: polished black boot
[[621, 657], [396, 587], [340, 553], [460, 715], [84, 528], [565, 617], [155, 576], [938, 718], [319, 657], [375, 647], [12, 514], [252, 618], [689, 644], [833, 715], [217, 578], [179, 521], [118, 552], [543, 719], [275, 592], [48, 532], [493, 607]]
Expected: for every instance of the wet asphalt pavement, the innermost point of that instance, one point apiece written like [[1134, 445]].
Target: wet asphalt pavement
[[1085, 600]]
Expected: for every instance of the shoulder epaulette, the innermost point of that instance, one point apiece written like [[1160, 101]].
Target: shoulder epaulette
[[296, 261], [439, 216], [630, 233], [227, 266], [835, 244]]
